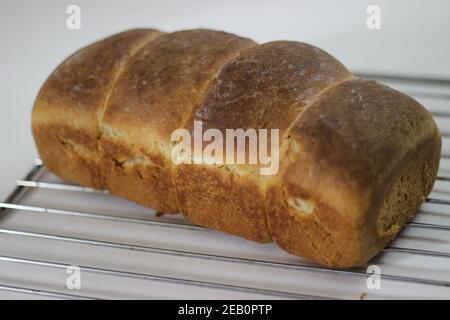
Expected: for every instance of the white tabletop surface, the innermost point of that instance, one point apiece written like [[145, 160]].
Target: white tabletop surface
[[413, 39]]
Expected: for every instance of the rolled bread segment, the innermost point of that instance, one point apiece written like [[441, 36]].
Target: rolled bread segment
[[361, 161], [265, 87], [155, 95], [65, 114]]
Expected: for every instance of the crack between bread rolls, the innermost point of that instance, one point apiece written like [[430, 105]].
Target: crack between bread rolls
[[103, 129], [190, 117]]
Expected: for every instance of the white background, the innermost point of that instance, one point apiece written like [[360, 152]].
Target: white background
[[414, 40]]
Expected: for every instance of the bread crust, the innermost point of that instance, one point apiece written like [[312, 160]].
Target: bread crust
[[363, 153], [265, 87], [156, 94], [65, 113], [356, 158]]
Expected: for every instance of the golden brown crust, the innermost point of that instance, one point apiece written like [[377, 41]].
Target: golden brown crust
[[155, 95], [268, 85], [356, 158], [65, 114], [220, 200], [265, 87], [167, 79], [351, 148], [356, 134]]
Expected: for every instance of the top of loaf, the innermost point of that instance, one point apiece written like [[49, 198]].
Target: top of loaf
[[166, 80], [268, 85], [142, 85], [79, 85]]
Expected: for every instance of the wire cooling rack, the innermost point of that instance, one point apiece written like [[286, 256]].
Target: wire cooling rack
[[61, 241]]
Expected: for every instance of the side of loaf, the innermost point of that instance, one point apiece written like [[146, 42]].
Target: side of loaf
[[356, 158]]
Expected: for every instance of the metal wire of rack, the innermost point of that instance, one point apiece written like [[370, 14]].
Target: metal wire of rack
[[126, 251]]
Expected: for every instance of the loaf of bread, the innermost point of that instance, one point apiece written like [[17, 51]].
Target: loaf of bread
[[356, 158]]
